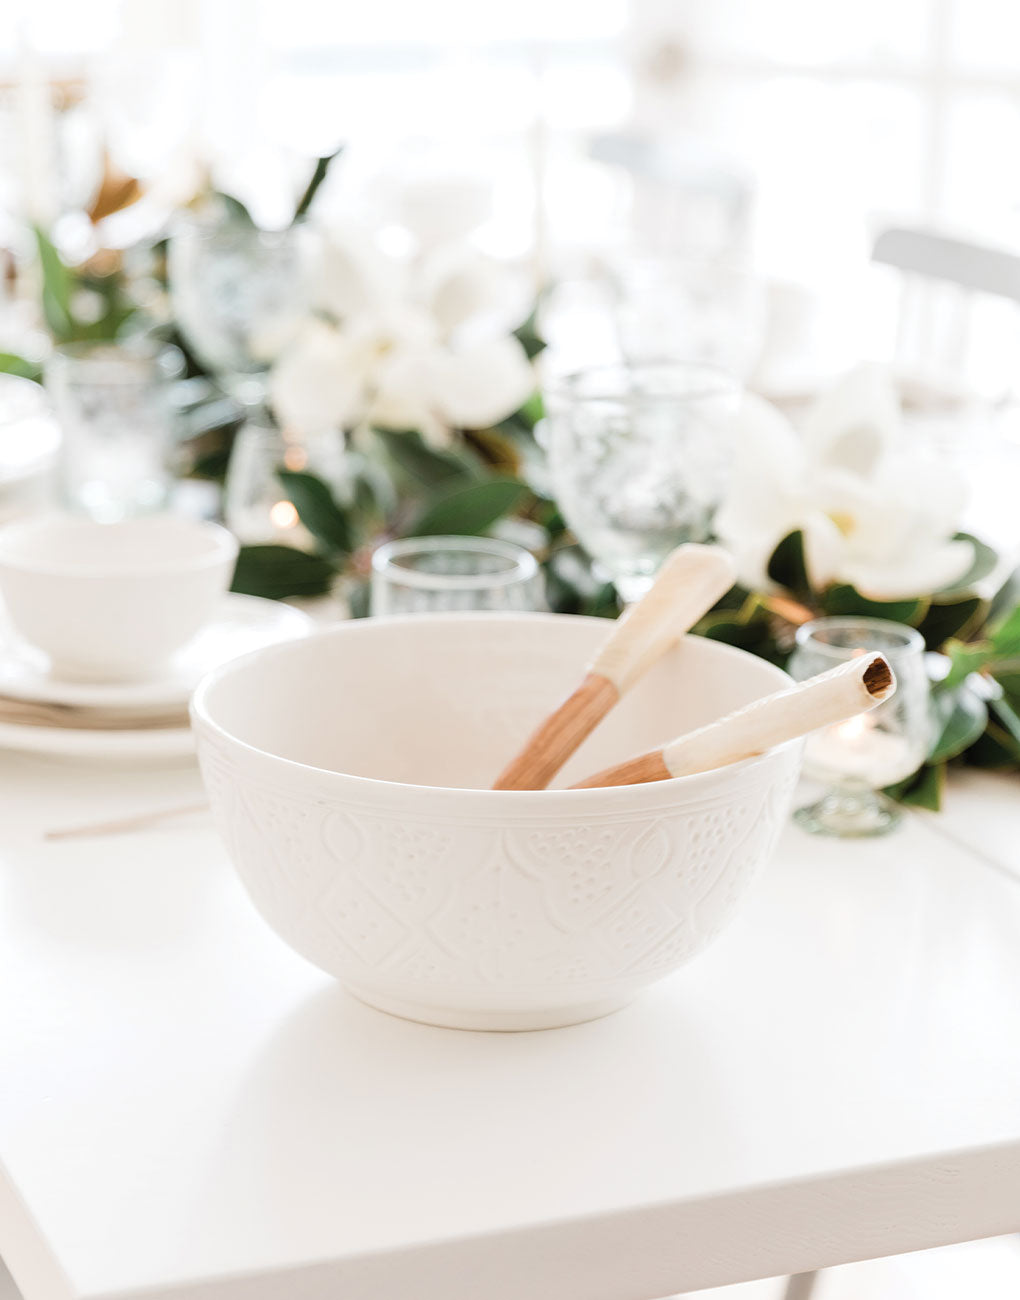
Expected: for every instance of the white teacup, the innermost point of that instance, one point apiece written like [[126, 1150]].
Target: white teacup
[[112, 602]]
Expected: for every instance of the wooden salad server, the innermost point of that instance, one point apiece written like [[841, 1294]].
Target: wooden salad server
[[831, 697], [689, 583]]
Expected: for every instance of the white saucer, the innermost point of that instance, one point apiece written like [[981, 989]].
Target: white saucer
[[243, 623], [160, 746]]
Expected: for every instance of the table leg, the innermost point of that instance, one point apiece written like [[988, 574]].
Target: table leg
[[801, 1286]]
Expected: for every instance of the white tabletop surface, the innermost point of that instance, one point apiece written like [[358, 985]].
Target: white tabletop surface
[[187, 1109]]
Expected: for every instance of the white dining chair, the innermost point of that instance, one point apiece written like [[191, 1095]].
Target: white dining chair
[[942, 279]]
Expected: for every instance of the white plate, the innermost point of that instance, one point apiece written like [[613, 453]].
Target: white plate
[[243, 623], [126, 746]]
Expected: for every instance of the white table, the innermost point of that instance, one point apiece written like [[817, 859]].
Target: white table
[[189, 1110]]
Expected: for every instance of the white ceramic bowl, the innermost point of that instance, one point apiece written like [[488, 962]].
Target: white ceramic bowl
[[348, 774], [112, 602]]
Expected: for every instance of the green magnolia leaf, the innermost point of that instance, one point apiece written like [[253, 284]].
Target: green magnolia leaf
[[753, 634], [964, 659], [359, 595], [952, 619], [1008, 719], [844, 599], [312, 188], [318, 509], [1007, 674], [470, 510], [231, 209], [985, 560], [532, 411], [58, 285], [1005, 636], [10, 364], [962, 717], [922, 790], [529, 338], [1006, 598], [277, 571], [428, 466], [995, 750], [789, 568], [374, 492]]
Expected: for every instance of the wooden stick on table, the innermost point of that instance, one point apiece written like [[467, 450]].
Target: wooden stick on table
[[689, 583], [118, 825]]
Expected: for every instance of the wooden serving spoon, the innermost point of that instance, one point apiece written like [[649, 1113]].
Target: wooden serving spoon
[[689, 583], [831, 697]]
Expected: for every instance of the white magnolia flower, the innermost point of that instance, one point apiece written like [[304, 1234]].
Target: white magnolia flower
[[318, 382], [874, 512], [408, 344]]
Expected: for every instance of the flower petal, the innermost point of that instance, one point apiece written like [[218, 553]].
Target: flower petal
[[917, 572], [481, 385], [856, 422], [354, 276], [402, 384], [470, 293], [317, 384]]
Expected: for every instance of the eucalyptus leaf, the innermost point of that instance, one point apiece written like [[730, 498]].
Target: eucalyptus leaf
[[962, 716], [318, 509], [470, 510], [277, 571], [788, 566], [845, 599]]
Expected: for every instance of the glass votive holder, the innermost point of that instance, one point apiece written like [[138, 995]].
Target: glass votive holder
[[113, 407], [431, 575], [858, 758]]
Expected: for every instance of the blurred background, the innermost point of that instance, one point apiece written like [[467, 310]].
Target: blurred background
[[782, 190], [785, 136]]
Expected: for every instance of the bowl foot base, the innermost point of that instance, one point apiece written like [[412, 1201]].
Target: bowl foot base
[[490, 1020]]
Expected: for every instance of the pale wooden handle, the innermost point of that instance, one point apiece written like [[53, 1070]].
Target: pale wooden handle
[[689, 583], [831, 697]]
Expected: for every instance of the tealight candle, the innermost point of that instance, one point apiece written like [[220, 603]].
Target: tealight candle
[[861, 756]]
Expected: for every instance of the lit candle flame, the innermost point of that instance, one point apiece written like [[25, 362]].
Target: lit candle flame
[[283, 514]]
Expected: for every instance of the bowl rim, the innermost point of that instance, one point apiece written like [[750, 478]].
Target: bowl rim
[[202, 720], [222, 549]]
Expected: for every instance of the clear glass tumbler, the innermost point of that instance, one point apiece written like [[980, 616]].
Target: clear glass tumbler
[[638, 458], [858, 758], [112, 403], [431, 575]]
